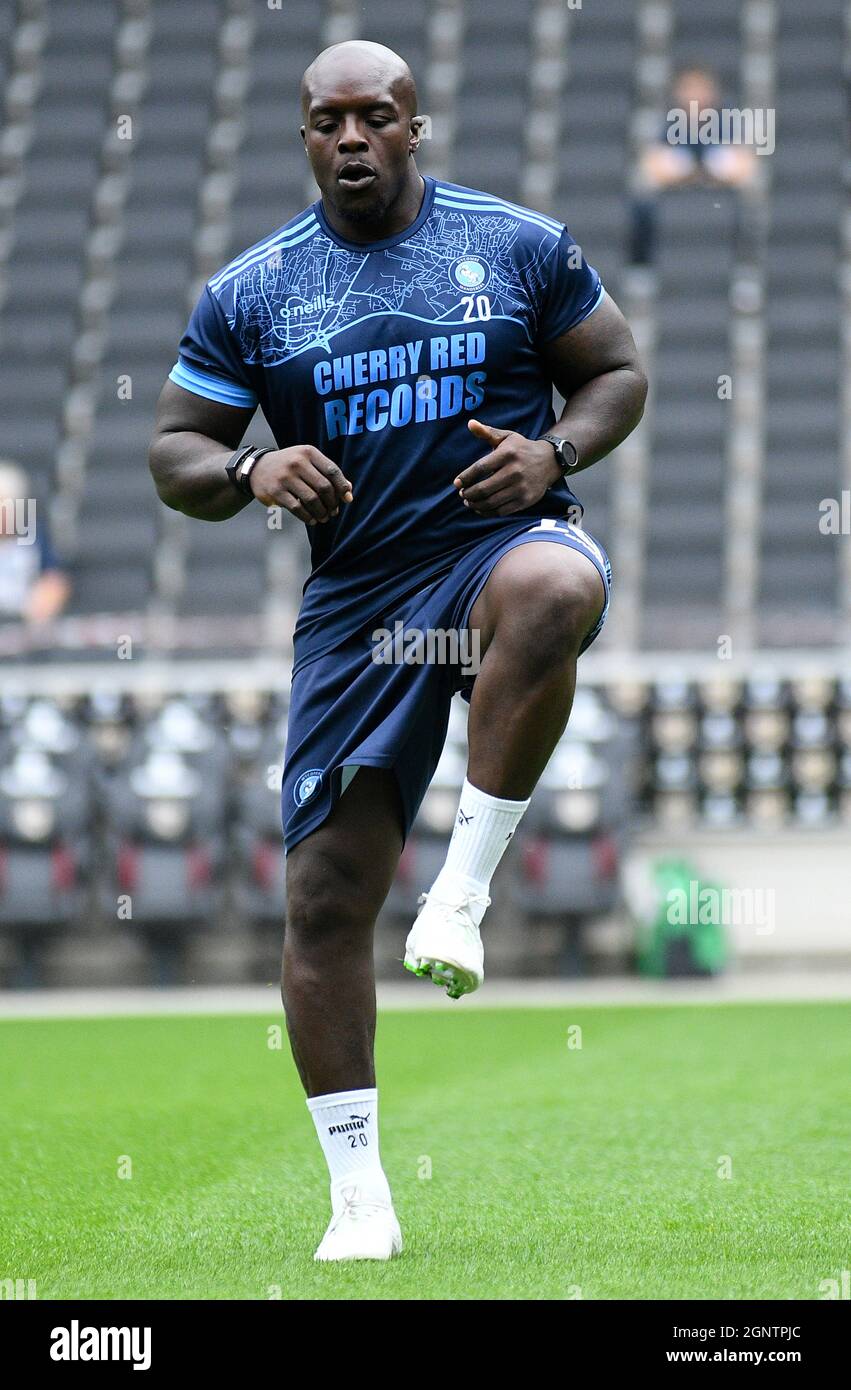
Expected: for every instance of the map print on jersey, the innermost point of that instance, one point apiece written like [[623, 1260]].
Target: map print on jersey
[[300, 301]]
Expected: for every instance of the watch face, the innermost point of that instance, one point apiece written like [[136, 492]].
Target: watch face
[[565, 451]]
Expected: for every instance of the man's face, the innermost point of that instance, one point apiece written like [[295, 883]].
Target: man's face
[[357, 136], [696, 86]]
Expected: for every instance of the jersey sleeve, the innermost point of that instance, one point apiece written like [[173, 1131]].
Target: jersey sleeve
[[209, 362], [571, 290]]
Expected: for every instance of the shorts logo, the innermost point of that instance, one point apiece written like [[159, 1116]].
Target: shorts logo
[[470, 273], [586, 542], [307, 785]]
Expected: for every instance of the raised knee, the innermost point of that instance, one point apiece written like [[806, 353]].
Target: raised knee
[[552, 612]]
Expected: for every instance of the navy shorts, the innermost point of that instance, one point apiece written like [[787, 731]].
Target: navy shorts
[[384, 701]]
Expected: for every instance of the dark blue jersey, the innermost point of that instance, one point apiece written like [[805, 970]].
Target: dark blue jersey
[[378, 355]]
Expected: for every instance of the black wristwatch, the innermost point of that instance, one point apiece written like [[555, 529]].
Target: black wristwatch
[[240, 465], [566, 452]]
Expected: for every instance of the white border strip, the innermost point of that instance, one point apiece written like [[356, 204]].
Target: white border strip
[[770, 986]]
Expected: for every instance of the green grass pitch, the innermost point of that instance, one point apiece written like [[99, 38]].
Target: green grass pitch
[[556, 1171]]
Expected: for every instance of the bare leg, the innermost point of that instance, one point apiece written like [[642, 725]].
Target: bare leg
[[337, 880], [533, 614]]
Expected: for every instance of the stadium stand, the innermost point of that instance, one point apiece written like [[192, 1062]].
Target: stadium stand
[[143, 144], [800, 576], [130, 225], [592, 169]]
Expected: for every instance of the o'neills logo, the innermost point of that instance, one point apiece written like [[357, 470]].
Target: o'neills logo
[[354, 1122], [76, 1343]]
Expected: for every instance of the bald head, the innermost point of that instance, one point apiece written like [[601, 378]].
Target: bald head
[[364, 63], [360, 132]]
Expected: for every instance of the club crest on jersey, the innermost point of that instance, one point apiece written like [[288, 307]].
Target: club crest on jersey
[[470, 273], [307, 785]]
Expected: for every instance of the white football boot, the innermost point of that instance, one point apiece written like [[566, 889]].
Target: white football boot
[[362, 1229], [444, 942]]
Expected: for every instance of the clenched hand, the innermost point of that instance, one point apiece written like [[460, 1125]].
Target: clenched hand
[[513, 476], [302, 480]]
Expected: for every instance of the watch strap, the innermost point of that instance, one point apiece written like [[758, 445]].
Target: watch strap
[[240, 465]]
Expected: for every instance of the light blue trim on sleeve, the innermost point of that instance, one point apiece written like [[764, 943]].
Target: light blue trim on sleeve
[[215, 388], [601, 295]]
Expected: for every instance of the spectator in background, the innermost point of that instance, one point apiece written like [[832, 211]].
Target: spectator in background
[[664, 165], [33, 586]]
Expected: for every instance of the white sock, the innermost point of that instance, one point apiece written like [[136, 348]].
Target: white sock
[[483, 828], [347, 1125]]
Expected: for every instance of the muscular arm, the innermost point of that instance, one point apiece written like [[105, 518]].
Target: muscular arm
[[193, 439], [596, 368]]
